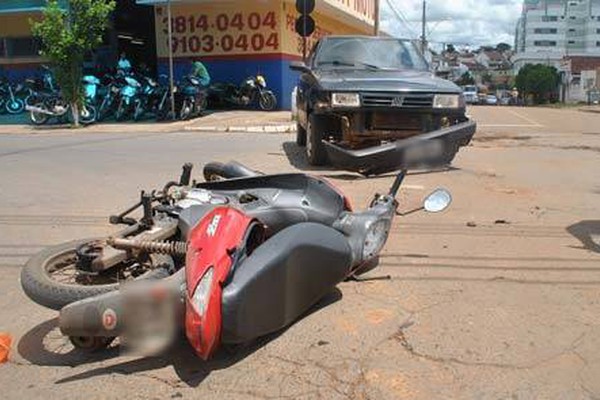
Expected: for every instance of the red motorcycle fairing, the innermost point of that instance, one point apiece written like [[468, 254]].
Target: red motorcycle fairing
[[212, 248]]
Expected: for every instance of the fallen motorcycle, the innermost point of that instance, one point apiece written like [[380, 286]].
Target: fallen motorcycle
[[242, 255]]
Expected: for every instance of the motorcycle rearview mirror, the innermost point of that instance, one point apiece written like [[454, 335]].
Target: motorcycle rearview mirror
[[437, 201]]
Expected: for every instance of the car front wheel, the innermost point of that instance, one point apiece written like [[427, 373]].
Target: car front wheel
[[315, 149]]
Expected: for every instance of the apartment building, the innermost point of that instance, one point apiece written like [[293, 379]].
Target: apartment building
[[550, 30]]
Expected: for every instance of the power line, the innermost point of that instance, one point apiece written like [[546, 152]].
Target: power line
[[401, 17]]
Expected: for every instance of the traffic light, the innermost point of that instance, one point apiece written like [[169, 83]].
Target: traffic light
[[305, 24]]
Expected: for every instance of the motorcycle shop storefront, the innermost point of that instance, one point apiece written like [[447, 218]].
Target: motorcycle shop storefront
[[131, 30], [236, 39]]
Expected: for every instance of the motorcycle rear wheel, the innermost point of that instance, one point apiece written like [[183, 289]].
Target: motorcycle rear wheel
[[51, 278], [186, 110], [38, 118]]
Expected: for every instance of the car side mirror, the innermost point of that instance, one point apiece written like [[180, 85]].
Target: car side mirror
[[437, 201], [299, 66]]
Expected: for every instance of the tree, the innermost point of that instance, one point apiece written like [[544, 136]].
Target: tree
[[450, 49], [66, 35], [502, 47], [465, 79], [539, 81]]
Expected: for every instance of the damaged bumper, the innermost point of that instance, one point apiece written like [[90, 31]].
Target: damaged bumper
[[427, 149]]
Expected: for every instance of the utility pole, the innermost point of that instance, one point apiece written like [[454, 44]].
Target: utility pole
[[170, 45], [424, 28], [376, 17]]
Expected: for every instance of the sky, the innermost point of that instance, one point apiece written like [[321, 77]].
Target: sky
[[465, 23]]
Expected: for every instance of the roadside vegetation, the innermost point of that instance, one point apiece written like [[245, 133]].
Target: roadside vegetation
[[66, 35]]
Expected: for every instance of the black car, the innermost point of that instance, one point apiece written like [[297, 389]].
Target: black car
[[364, 102]]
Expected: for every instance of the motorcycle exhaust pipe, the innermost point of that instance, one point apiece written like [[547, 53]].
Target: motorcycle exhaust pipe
[[132, 311], [39, 110]]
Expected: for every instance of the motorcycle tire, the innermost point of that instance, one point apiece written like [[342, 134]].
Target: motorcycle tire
[[89, 115], [186, 110], [216, 171], [103, 110], [121, 112], [16, 106], [39, 286], [2, 106], [37, 118], [138, 112], [267, 101]]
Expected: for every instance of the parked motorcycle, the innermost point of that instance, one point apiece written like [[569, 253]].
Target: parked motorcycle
[[146, 100], [110, 97], [129, 92], [54, 106], [252, 91], [190, 98], [240, 258]]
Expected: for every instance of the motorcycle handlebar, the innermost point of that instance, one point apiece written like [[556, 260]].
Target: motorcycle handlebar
[[397, 182]]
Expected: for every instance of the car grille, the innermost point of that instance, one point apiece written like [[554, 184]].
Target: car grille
[[397, 100]]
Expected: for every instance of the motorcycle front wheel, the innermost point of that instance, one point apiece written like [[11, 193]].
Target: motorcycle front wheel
[[186, 110], [16, 106], [88, 114], [267, 100], [121, 111], [38, 118], [51, 278], [139, 111]]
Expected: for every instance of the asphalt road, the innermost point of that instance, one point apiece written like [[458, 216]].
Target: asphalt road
[[496, 298]]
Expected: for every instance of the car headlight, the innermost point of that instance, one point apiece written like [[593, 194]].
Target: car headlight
[[447, 101], [202, 292], [345, 100], [375, 238]]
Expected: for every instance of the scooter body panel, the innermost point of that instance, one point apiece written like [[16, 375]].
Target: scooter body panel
[[211, 249]]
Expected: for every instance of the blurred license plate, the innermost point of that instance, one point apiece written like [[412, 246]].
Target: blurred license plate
[[150, 312], [426, 151]]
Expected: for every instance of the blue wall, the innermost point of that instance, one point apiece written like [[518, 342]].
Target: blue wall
[[279, 77]]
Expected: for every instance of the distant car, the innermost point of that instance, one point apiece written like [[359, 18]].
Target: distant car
[[491, 100], [470, 93]]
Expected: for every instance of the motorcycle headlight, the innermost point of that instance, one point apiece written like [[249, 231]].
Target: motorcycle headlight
[[375, 238], [202, 292], [345, 100], [447, 101], [261, 81]]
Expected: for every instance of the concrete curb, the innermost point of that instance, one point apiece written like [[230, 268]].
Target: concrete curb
[[589, 110], [287, 128]]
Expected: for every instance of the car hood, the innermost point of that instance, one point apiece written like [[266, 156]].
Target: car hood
[[384, 80]]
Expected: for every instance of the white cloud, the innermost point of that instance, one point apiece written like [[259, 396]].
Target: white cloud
[[461, 22]]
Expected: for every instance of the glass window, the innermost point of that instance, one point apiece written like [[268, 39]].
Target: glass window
[[545, 30], [549, 18], [2, 48], [544, 43], [22, 47], [366, 52]]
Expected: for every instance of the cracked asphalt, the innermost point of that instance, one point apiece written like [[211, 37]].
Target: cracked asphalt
[[496, 298]]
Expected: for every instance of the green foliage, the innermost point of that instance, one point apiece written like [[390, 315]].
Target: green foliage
[[465, 79], [66, 36], [502, 47], [538, 81]]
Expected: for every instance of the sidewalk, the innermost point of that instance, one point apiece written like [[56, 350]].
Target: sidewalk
[[244, 121], [213, 121]]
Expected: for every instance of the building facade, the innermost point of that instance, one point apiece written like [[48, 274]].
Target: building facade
[[233, 38], [549, 30]]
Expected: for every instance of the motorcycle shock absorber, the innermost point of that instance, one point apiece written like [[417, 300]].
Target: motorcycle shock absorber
[[173, 248]]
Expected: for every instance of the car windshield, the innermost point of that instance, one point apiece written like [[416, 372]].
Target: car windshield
[[369, 53], [470, 88]]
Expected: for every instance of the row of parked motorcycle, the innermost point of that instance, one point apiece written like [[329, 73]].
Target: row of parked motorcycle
[[131, 96]]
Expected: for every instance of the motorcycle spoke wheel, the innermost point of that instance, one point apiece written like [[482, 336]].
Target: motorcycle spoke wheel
[[63, 269]]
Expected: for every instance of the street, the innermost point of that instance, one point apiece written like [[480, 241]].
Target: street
[[496, 298]]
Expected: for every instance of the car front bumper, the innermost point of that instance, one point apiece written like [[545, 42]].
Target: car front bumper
[[400, 154]]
